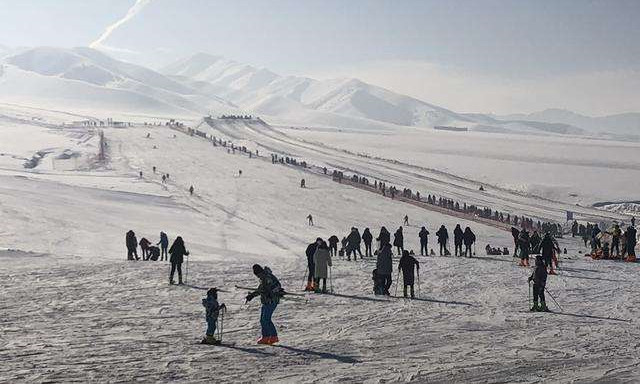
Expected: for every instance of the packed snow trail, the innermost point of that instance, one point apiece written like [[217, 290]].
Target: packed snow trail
[[74, 309]]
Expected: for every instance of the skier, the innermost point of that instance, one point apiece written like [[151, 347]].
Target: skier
[[191, 190], [353, 244], [270, 292], [384, 267], [213, 309], [384, 237], [140, 174], [164, 179], [615, 241], [535, 242], [144, 245], [310, 252], [177, 252], [398, 241], [333, 245], [516, 235], [406, 265], [574, 228], [548, 247], [443, 236], [539, 278], [302, 183], [457, 240], [164, 244], [132, 246], [367, 237], [154, 169], [406, 220], [310, 220], [424, 241], [524, 245], [469, 238], [321, 260]]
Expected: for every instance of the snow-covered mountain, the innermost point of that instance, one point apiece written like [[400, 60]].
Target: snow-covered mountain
[[304, 99], [619, 124], [86, 79]]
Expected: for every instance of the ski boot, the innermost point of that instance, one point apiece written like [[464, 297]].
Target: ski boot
[[543, 307], [535, 308], [264, 340], [310, 287], [171, 282], [211, 340], [272, 340]]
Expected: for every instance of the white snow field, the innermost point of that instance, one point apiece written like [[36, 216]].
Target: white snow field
[[73, 309]]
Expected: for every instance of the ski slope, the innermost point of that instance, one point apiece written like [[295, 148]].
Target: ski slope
[[75, 310]]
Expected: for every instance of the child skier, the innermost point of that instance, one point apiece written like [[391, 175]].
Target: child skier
[[213, 309], [539, 278]]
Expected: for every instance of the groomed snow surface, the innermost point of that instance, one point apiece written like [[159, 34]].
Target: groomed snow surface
[[73, 309]]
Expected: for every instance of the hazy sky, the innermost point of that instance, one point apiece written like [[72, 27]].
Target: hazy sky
[[470, 56]]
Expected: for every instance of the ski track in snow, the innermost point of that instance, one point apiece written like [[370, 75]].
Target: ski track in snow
[[74, 310]]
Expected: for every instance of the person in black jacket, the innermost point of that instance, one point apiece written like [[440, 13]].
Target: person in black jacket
[[457, 240], [398, 241], [516, 236], [407, 262], [177, 252], [132, 246], [539, 278], [367, 237], [424, 241], [384, 237], [443, 237], [333, 245], [469, 238], [311, 250], [384, 267], [548, 247]]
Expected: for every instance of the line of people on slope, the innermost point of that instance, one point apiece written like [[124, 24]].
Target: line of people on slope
[[152, 252], [351, 244]]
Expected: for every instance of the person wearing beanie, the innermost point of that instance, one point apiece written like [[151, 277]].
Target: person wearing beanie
[[270, 292], [213, 309]]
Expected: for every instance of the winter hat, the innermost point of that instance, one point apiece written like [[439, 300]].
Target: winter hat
[[257, 269]]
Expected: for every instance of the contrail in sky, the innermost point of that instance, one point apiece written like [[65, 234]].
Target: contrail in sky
[[134, 10]]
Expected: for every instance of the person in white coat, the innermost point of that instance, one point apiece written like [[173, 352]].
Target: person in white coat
[[322, 260]]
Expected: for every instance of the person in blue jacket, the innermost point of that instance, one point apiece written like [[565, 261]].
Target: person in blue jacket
[[164, 244]]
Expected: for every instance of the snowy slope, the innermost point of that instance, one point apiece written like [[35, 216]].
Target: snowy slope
[[85, 79], [74, 310]]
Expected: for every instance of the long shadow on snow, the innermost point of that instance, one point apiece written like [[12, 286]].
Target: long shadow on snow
[[435, 301], [596, 278], [254, 351], [323, 355], [365, 298], [590, 316]]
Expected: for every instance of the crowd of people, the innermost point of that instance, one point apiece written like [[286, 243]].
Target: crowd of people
[[151, 252]]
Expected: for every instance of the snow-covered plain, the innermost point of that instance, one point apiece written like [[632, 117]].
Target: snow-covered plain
[[74, 310]]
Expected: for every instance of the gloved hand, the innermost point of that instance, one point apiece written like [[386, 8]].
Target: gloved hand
[[250, 296], [529, 279]]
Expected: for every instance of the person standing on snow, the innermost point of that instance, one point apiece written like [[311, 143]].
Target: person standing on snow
[[516, 235], [457, 240], [270, 292], [424, 241], [615, 240], [525, 246], [164, 244], [191, 190], [213, 309], [310, 220], [321, 260], [407, 262], [384, 267], [398, 241], [539, 278], [630, 235], [333, 245], [311, 266], [384, 237], [548, 247], [367, 237], [469, 238], [406, 220], [177, 252], [443, 237], [132, 246]]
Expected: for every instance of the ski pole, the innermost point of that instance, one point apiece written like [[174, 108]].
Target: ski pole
[[220, 330], [397, 278], [529, 290], [418, 273], [186, 272], [330, 280], [553, 298], [304, 282]]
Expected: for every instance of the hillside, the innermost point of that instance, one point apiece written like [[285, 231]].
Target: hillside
[[86, 79]]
